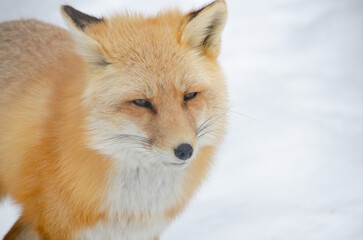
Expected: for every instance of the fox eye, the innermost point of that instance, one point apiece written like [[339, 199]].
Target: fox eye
[[142, 103], [190, 96]]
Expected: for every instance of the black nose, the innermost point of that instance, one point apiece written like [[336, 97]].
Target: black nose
[[183, 151]]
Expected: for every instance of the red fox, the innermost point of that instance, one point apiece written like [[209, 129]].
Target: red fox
[[107, 132]]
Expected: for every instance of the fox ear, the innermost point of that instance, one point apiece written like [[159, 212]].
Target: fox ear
[[202, 28], [86, 45], [77, 18]]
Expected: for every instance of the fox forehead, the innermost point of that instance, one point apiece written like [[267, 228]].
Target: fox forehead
[[148, 60], [148, 71], [131, 35], [151, 76], [145, 54]]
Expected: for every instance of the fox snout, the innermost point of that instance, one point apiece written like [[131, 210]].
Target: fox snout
[[183, 151]]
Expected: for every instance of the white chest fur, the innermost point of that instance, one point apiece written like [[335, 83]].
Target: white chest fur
[[139, 195]]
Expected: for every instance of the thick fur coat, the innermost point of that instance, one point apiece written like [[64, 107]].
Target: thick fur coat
[[91, 121]]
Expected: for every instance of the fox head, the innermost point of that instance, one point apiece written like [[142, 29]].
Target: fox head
[[153, 85]]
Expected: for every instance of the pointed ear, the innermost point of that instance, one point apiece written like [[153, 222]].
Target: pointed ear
[[86, 44], [202, 29]]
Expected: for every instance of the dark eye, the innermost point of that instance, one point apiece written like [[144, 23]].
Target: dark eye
[[190, 96], [142, 103]]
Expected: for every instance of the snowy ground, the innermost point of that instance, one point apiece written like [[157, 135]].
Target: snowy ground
[[291, 167]]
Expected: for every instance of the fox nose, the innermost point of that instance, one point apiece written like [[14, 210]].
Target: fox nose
[[183, 151]]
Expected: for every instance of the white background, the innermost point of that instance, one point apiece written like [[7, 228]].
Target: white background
[[291, 166]]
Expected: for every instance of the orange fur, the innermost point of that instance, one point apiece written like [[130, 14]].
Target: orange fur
[[196, 173], [49, 92]]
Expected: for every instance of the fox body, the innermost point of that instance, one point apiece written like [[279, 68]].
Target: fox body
[[107, 132]]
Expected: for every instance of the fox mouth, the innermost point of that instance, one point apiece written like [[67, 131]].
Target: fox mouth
[[177, 165]]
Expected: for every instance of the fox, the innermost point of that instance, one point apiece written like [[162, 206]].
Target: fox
[[109, 128]]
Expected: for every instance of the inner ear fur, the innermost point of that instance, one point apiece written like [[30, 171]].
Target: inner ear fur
[[202, 28], [86, 45]]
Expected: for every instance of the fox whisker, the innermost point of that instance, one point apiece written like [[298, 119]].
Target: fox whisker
[[227, 109], [208, 123]]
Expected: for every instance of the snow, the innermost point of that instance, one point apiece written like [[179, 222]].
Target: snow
[[291, 166]]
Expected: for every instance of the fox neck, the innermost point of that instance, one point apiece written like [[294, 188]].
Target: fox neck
[[144, 189], [86, 169]]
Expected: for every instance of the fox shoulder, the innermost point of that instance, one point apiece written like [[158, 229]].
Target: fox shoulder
[[29, 45]]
